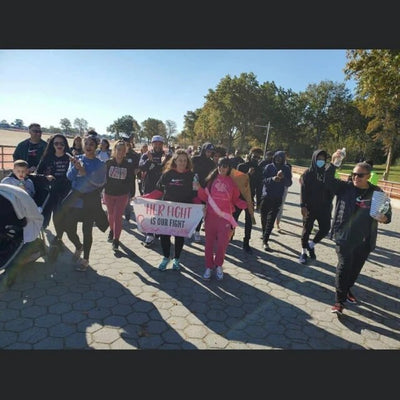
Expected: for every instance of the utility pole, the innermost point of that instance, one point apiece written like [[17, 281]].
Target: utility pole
[[266, 136]]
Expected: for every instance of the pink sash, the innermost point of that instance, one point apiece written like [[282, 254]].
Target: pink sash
[[219, 212]]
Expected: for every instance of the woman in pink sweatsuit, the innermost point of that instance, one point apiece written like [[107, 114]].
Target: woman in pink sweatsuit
[[221, 195]]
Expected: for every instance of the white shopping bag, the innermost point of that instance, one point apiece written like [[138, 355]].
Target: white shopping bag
[[379, 204]]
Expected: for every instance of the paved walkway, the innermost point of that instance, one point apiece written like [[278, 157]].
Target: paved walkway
[[266, 300]]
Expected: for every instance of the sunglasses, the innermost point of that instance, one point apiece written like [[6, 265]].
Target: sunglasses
[[223, 165], [59, 144], [354, 174], [36, 131]]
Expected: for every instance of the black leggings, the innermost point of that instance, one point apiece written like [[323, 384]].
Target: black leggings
[[166, 245], [71, 227]]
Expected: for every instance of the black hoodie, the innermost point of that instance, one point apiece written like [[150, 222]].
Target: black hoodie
[[203, 165], [314, 195]]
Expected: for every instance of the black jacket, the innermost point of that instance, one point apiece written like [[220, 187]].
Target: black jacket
[[346, 220], [203, 165], [314, 195]]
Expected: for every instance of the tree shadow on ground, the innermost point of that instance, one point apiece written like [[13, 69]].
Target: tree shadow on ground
[[56, 307], [238, 311]]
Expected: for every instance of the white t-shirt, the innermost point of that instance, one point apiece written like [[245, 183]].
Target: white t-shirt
[[103, 155]]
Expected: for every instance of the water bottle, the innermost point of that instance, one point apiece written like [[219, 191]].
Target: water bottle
[[195, 181], [339, 159]]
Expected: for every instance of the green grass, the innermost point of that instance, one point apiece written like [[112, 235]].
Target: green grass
[[394, 173]]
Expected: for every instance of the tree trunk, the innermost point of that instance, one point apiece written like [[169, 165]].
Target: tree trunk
[[388, 162]]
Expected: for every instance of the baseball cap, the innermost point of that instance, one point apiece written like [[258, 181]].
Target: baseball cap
[[157, 138], [125, 137], [210, 146]]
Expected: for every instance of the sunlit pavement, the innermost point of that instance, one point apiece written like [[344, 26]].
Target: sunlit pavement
[[265, 301]]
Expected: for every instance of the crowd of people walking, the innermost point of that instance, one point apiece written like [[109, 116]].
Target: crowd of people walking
[[92, 173]]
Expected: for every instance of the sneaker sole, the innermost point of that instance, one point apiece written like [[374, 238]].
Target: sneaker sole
[[350, 301], [337, 312], [81, 269]]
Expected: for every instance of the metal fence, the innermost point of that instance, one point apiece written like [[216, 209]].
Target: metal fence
[[6, 157]]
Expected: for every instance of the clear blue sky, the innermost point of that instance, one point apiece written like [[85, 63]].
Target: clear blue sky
[[101, 86]]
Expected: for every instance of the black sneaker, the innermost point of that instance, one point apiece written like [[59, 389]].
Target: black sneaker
[[303, 258], [247, 248], [351, 298], [312, 253], [267, 248], [110, 236], [115, 244]]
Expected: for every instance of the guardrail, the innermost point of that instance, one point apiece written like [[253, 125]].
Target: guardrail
[[392, 189], [6, 157]]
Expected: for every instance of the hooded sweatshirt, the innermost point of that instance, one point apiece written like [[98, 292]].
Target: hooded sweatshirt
[[271, 188], [203, 165], [314, 195]]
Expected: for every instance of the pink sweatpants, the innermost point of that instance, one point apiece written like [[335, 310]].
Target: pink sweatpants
[[218, 234], [115, 209]]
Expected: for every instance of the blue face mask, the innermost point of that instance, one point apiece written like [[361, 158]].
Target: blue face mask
[[320, 163]]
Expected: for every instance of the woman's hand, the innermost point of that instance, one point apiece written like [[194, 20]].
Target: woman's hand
[[335, 155], [382, 218]]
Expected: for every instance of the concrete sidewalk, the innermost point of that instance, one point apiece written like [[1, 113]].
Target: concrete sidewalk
[[265, 301]]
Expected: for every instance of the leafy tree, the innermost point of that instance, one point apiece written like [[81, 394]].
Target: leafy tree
[[153, 127], [283, 109], [232, 110], [18, 123], [126, 124], [378, 94], [325, 104], [81, 125], [188, 136], [4, 124], [65, 125], [53, 129], [170, 130]]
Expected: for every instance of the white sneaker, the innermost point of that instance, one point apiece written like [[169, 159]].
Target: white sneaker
[[220, 274], [207, 274], [197, 237]]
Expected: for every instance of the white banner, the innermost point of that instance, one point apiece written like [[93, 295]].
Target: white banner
[[166, 217]]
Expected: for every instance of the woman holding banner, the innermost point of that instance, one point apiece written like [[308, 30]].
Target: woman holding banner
[[175, 184], [221, 194]]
